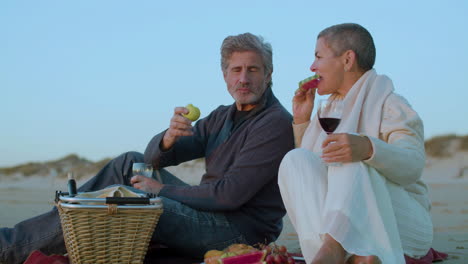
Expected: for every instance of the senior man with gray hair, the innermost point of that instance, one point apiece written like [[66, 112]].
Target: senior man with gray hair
[[237, 200]]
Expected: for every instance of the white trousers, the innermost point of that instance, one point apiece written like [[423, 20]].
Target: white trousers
[[358, 207]]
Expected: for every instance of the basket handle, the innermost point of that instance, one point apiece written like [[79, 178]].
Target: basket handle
[[127, 200]]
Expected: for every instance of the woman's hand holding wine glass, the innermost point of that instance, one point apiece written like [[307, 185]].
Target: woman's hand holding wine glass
[[342, 147], [329, 114]]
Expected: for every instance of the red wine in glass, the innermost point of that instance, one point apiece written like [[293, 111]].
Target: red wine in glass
[[329, 114], [329, 124]]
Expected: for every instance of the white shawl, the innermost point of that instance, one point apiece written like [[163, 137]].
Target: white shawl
[[362, 112]]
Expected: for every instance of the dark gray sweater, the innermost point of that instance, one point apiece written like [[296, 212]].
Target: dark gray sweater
[[242, 164]]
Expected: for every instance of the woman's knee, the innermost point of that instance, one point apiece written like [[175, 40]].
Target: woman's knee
[[294, 156], [299, 157], [300, 163]]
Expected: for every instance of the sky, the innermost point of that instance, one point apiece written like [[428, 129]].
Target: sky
[[102, 77]]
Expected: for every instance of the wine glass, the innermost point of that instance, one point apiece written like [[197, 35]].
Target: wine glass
[[144, 169], [329, 114]]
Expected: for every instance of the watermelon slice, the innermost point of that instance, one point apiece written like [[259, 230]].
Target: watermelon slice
[[249, 258], [309, 83]]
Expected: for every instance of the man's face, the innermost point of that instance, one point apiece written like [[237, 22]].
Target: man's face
[[245, 78]]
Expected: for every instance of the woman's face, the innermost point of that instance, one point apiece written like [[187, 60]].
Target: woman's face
[[330, 68]]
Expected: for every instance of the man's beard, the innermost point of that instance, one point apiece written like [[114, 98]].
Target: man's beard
[[252, 97]]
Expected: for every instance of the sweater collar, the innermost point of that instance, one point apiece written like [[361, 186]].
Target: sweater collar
[[266, 100]]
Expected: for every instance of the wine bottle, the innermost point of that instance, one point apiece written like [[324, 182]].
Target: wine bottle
[[71, 185]]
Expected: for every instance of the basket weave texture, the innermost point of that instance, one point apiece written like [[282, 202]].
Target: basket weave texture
[[113, 235]]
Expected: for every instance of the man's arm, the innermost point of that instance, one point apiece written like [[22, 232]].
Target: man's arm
[[179, 127], [256, 166], [180, 142], [184, 149]]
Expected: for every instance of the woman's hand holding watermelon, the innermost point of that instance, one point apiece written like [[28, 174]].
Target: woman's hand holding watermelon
[[303, 100]]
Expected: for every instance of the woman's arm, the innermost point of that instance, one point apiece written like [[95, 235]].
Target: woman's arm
[[299, 130], [399, 153]]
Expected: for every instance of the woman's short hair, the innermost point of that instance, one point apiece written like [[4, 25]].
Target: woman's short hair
[[350, 36], [247, 42]]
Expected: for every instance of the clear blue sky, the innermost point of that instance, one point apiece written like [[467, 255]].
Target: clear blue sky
[[98, 78]]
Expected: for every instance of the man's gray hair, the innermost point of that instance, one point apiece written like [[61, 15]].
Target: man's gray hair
[[350, 36], [247, 42]]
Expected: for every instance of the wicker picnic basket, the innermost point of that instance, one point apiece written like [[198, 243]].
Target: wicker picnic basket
[[107, 230]]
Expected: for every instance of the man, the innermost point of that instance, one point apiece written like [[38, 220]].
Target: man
[[237, 200]]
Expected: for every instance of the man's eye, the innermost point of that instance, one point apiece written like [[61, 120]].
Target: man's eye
[[254, 69]]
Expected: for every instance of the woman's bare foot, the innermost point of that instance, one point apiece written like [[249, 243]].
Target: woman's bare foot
[[355, 259], [331, 252]]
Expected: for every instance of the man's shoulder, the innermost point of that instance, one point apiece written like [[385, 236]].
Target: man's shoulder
[[273, 117], [277, 111]]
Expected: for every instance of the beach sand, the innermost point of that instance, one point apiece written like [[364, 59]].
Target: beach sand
[[27, 197]]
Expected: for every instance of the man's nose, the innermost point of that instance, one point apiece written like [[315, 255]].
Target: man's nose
[[244, 77]]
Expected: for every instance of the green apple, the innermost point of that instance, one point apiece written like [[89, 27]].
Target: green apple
[[193, 114]]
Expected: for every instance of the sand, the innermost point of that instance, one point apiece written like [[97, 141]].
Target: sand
[[27, 197]]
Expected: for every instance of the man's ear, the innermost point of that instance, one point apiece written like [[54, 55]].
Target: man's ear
[[268, 77]]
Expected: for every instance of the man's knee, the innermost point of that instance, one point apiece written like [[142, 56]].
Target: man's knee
[[124, 161], [133, 155], [130, 157]]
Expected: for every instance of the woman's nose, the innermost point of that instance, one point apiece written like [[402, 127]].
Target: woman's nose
[[313, 67]]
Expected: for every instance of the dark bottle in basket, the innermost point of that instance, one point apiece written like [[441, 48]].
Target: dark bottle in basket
[[71, 185]]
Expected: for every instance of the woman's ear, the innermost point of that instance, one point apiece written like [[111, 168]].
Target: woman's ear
[[349, 60]]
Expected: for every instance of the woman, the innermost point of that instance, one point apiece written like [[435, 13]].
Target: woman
[[374, 208]]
